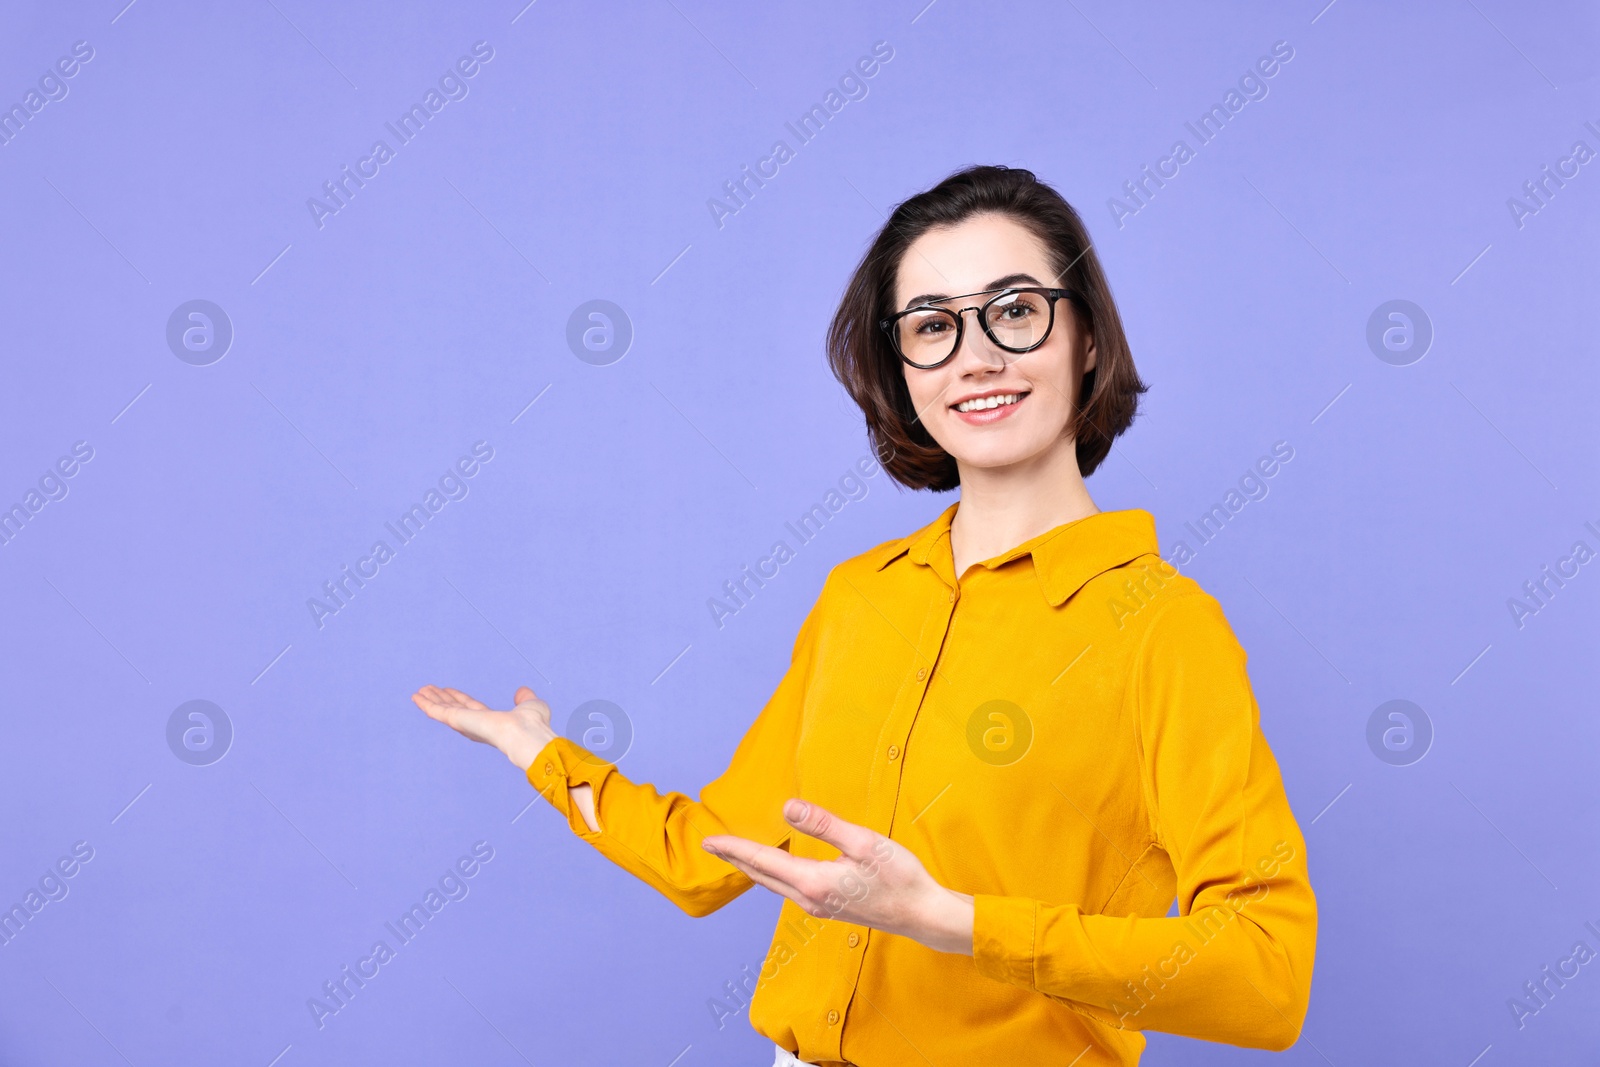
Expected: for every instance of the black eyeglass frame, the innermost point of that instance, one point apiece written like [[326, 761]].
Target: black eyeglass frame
[[960, 315]]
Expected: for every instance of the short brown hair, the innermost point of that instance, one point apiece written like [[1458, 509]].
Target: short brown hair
[[862, 359]]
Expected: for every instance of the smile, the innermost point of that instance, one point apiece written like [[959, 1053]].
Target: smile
[[983, 410], [983, 403]]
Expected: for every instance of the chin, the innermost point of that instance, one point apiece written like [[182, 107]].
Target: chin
[[997, 454]]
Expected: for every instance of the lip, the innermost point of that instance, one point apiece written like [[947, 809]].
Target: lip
[[989, 415]]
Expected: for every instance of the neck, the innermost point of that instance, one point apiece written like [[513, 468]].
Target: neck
[[1001, 507]]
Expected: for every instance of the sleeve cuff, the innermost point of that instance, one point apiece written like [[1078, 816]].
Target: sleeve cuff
[[1003, 938], [559, 766]]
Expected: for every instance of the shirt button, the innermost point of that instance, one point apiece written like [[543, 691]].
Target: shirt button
[[922, 672], [833, 1017], [952, 596], [855, 939], [894, 753], [549, 768]]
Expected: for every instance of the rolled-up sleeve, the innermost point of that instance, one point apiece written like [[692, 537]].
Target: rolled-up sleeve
[[656, 836], [1234, 964]]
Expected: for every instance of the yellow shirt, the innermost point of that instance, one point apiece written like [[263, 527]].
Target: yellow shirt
[[1068, 733]]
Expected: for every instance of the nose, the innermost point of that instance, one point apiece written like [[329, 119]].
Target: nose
[[976, 343]]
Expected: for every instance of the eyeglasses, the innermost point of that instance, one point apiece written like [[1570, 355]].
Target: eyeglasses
[[1017, 320]]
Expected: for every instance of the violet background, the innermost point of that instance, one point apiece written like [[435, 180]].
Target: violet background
[[428, 314]]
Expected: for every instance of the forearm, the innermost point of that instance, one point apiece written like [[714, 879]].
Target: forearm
[[583, 799], [1235, 970], [653, 835], [657, 836], [946, 923], [524, 746]]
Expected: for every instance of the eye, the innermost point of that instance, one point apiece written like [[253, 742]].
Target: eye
[[1013, 311]]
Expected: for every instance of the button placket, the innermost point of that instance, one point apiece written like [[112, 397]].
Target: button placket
[[893, 769], [925, 676]]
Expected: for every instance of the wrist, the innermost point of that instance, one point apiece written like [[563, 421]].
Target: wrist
[[949, 921], [524, 748]]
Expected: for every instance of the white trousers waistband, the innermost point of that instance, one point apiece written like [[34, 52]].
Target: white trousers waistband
[[785, 1058]]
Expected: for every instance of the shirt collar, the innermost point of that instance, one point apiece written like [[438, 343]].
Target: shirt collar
[[1064, 558]]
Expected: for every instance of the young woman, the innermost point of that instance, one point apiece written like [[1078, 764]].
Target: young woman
[[1013, 786]]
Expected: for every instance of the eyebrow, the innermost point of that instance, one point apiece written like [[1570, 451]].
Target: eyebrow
[[998, 283]]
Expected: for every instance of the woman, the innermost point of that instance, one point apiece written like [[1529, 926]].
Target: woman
[[1006, 743]]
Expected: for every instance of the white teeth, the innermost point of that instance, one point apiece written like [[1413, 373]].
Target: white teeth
[[984, 403]]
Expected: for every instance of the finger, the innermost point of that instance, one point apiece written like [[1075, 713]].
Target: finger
[[766, 860], [523, 695], [436, 696], [470, 721], [467, 701], [815, 821], [427, 699], [447, 713], [776, 885]]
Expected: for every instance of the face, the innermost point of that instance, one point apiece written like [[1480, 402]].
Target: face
[[1034, 389]]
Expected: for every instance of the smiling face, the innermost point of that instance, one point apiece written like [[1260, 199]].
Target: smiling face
[[1018, 407]]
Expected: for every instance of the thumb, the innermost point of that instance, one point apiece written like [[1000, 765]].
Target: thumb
[[523, 695], [815, 821]]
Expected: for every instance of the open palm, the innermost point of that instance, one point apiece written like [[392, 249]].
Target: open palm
[[520, 732]]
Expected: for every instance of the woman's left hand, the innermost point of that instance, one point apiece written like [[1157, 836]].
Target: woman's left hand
[[875, 882]]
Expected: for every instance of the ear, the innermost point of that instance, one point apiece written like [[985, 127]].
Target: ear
[[1089, 355]]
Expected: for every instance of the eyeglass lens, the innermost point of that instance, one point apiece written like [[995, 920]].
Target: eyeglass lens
[[1016, 321]]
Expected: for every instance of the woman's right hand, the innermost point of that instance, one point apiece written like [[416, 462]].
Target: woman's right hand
[[520, 733]]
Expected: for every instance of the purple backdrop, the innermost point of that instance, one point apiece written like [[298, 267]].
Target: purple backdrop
[[242, 344]]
